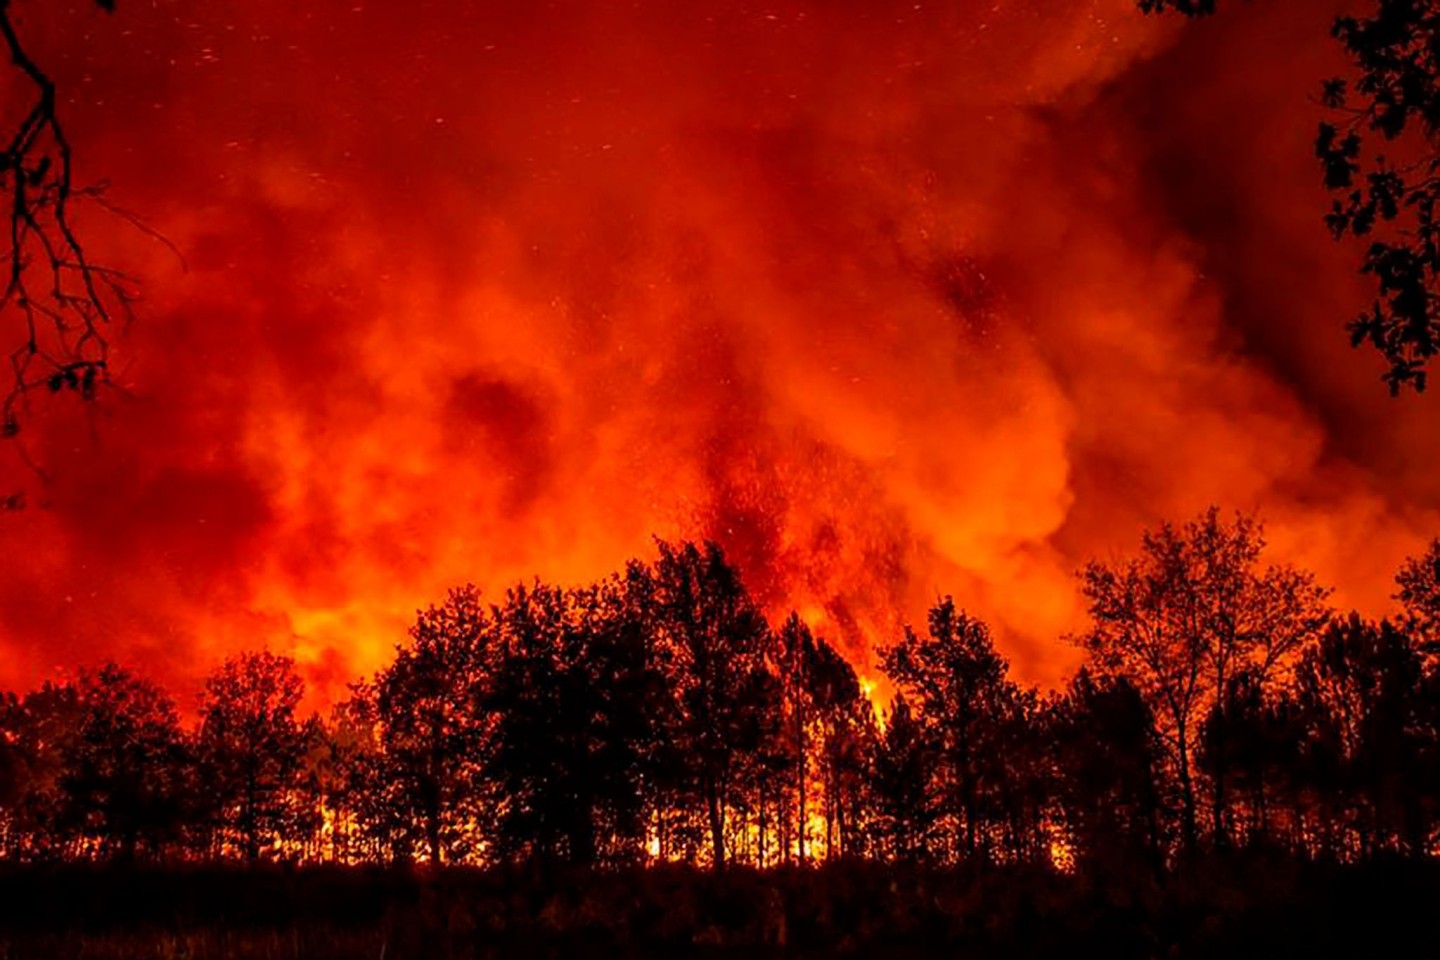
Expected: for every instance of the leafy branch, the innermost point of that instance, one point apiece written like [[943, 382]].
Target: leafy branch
[[1395, 97]]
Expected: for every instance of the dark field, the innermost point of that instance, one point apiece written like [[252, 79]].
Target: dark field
[[1218, 908]]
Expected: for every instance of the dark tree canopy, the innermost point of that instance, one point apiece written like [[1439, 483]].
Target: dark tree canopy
[[433, 729], [960, 683], [124, 779], [1109, 755], [252, 743], [1419, 595]]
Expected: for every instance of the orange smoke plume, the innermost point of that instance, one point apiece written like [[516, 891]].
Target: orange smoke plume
[[889, 299]]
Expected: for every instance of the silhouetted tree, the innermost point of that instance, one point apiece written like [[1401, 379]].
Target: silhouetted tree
[[715, 637], [1373, 729], [542, 709], [343, 772], [250, 746], [1391, 199], [901, 768], [38, 732], [1023, 794], [314, 823], [1419, 596], [759, 733], [578, 702], [1190, 613], [774, 769], [633, 749], [960, 685], [369, 792], [1252, 733], [844, 721], [124, 775], [795, 654], [13, 775], [428, 708], [1107, 753], [850, 732], [820, 701]]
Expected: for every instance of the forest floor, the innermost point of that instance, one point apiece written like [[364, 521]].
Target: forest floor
[[1229, 906]]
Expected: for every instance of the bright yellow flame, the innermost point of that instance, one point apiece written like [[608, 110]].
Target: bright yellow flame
[[1062, 855]]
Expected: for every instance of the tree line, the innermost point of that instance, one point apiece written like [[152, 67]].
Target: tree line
[[657, 716]]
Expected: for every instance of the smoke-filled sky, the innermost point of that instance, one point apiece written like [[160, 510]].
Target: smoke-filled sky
[[891, 299]]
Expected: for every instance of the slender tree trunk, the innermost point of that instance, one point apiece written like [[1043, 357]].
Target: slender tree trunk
[[783, 814], [764, 817], [971, 834], [717, 825], [802, 812], [249, 826], [1219, 806], [1262, 809], [432, 822], [1187, 792]]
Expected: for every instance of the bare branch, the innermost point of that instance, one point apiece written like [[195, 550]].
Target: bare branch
[[63, 303]]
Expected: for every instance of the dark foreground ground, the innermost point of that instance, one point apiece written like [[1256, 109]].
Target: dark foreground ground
[[1236, 906]]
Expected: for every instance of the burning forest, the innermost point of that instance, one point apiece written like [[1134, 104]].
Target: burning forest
[[915, 439], [888, 303]]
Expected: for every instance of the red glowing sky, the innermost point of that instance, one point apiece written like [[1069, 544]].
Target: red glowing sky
[[893, 300]]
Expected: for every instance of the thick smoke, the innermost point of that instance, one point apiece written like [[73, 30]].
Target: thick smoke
[[890, 299]]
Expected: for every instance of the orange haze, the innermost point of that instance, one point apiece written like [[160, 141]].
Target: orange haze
[[891, 299]]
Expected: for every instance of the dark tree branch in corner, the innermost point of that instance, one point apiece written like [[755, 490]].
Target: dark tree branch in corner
[[64, 302], [1394, 96], [1397, 97]]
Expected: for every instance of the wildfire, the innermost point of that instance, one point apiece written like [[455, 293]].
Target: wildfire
[[480, 293], [1062, 856]]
